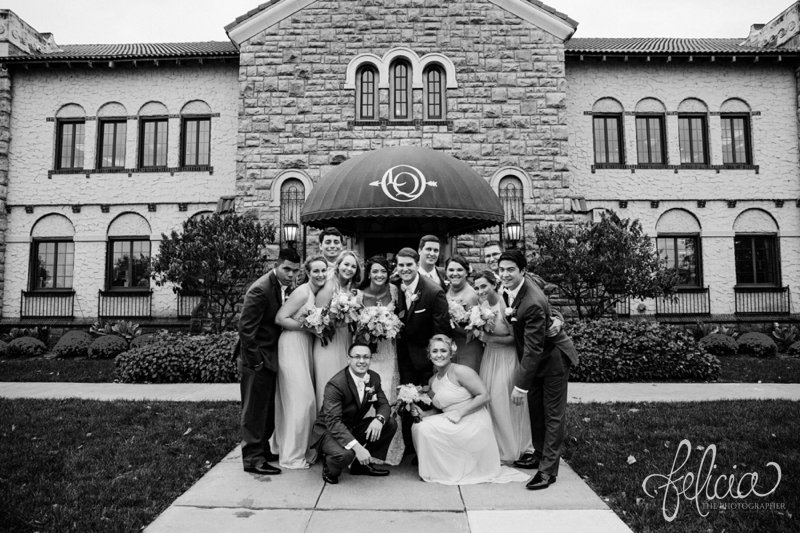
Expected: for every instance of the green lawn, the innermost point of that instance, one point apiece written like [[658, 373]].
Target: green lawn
[[79, 465], [746, 369], [747, 436], [50, 370]]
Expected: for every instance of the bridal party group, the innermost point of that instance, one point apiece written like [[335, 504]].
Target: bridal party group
[[366, 362]]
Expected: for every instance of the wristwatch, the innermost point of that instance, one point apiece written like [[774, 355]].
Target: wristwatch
[[381, 419]]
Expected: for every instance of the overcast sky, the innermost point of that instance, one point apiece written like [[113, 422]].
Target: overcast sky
[[126, 21]]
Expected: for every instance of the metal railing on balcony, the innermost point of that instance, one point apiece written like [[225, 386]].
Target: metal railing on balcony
[[623, 307], [685, 302], [186, 303], [52, 304], [762, 300], [124, 304]]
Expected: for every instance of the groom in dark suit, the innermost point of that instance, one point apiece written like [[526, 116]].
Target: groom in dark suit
[[342, 432], [257, 352], [543, 372]]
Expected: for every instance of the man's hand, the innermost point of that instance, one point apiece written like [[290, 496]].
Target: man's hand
[[555, 327], [374, 430], [517, 396], [362, 454]]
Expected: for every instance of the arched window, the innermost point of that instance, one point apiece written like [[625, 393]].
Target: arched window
[[434, 93], [678, 244], [153, 121], [736, 139], [651, 147], [607, 134], [400, 91], [112, 126], [293, 196], [70, 122], [52, 253], [196, 134], [693, 132], [367, 93], [755, 248], [510, 192], [128, 253]]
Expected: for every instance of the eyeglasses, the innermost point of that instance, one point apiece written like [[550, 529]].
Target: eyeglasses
[[360, 357]]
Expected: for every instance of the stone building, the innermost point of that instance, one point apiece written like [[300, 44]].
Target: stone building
[[104, 148]]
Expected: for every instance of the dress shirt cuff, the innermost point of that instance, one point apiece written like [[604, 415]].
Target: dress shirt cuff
[[351, 444], [523, 391]]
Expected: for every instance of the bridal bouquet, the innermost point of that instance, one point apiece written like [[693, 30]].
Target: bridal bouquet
[[408, 396], [319, 322], [480, 319], [376, 323], [459, 313], [345, 308]]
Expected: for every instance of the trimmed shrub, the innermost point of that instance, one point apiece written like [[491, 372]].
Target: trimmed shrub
[[74, 343], [719, 344], [3, 347], [42, 333], [638, 350], [25, 347], [794, 350], [757, 345], [180, 358], [142, 340], [107, 347]]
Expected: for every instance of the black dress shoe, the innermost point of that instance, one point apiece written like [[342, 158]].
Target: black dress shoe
[[264, 469], [540, 481], [272, 457], [528, 461], [367, 470], [327, 477]]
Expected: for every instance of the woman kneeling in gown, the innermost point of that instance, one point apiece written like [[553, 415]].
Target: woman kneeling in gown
[[457, 446]]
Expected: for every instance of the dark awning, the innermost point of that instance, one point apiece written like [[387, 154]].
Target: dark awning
[[404, 182]]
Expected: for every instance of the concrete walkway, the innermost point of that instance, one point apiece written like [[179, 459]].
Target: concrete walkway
[[578, 392], [298, 501]]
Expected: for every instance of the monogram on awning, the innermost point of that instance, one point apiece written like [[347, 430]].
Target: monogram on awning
[[404, 182]]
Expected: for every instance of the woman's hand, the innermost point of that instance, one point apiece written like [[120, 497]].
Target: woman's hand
[[453, 416]]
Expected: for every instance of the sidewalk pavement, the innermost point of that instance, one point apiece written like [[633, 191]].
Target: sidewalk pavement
[[229, 499], [578, 392]]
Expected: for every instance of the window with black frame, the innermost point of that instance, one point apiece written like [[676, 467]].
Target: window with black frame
[[293, 197], [152, 142], [756, 258], [69, 144], [366, 93], [692, 140], [608, 139], [111, 143], [434, 93], [681, 253], [736, 140], [196, 145], [650, 145], [52, 264], [400, 90], [128, 264]]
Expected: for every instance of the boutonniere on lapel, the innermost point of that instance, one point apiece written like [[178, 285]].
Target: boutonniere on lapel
[[511, 314], [369, 391], [414, 297]]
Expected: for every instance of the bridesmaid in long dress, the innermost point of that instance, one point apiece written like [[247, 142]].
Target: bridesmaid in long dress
[[457, 446], [332, 357], [512, 426], [295, 401], [468, 353], [377, 290]]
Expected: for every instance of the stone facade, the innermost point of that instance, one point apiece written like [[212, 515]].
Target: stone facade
[[507, 111], [769, 89], [163, 199]]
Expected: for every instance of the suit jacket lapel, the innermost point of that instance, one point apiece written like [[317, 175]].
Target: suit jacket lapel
[[276, 288], [353, 389], [417, 294]]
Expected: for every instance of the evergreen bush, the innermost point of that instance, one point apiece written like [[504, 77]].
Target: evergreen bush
[[757, 345], [107, 347], [719, 344], [25, 347], [74, 343]]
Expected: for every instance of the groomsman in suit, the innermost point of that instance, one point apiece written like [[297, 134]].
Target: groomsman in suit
[[543, 373], [257, 352], [331, 243], [343, 433], [428, 250]]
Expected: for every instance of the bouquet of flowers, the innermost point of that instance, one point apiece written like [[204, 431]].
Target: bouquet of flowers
[[408, 396], [345, 308], [480, 319], [459, 313], [319, 322], [377, 323]]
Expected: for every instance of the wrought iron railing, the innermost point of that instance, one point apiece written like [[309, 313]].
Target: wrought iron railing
[[54, 304], [762, 300], [685, 302], [124, 304], [187, 302], [623, 307]]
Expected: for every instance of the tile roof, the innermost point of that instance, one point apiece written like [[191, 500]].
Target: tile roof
[[667, 45], [133, 51]]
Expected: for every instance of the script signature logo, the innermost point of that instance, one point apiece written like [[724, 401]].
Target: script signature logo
[[403, 183], [694, 487]]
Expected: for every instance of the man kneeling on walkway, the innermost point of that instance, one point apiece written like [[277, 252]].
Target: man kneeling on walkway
[[343, 433]]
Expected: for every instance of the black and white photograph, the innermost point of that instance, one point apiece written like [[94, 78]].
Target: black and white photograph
[[458, 266]]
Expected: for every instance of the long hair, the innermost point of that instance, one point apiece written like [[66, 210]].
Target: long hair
[[359, 275]]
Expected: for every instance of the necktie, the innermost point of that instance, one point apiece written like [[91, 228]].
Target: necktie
[[283, 294], [505, 296], [360, 387]]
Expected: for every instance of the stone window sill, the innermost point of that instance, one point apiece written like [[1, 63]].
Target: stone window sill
[[674, 168], [130, 171]]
